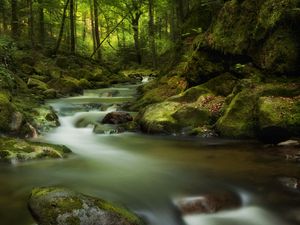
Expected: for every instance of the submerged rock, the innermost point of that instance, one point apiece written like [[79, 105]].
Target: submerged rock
[[208, 203], [17, 150], [117, 118], [61, 206]]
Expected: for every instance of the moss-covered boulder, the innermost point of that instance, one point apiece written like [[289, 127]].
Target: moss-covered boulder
[[159, 90], [239, 118], [43, 118], [264, 30], [6, 112], [60, 206], [18, 150], [7, 80], [66, 85], [37, 84], [157, 118], [251, 107], [173, 117], [280, 112]]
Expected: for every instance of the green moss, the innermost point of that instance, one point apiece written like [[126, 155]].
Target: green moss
[[55, 205], [190, 95], [280, 111], [6, 111], [239, 118], [18, 150], [119, 210]]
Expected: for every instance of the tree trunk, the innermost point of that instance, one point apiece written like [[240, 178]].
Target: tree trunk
[[72, 27], [62, 26], [97, 32], [31, 23], [136, 37], [3, 14], [93, 26], [152, 34], [41, 23], [84, 27], [14, 19]]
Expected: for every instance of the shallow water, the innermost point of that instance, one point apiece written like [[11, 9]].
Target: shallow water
[[146, 172]]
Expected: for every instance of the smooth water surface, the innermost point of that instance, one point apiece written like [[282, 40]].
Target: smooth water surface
[[146, 172]]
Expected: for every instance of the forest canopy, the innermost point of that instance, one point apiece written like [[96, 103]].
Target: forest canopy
[[137, 31]]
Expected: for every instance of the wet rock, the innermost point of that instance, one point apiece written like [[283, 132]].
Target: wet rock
[[17, 120], [291, 183], [17, 150], [117, 118], [289, 143], [207, 203], [107, 129], [281, 112], [6, 112], [37, 84], [44, 118], [61, 206]]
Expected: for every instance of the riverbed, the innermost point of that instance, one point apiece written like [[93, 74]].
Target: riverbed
[[146, 173]]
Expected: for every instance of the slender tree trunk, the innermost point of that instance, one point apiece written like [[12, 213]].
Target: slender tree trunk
[[97, 32], [41, 23], [3, 14], [123, 36], [31, 23], [62, 26], [173, 24], [152, 33], [14, 19], [72, 27], [84, 28], [136, 37], [93, 25]]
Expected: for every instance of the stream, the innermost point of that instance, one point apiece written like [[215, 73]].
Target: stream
[[146, 173]]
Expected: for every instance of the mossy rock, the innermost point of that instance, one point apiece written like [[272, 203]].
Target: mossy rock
[[37, 84], [6, 112], [158, 91], [61, 206], [191, 116], [238, 120], [191, 94], [18, 150], [44, 118], [157, 118], [222, 85], [66, 85], [265, 31], [280, 112], [7, 80]]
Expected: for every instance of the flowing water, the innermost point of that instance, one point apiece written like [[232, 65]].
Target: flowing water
[[146, 173]]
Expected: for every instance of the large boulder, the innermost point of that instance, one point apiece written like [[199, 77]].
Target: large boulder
[[251, 108], [60, 206], [6, 112], [264, 30], [173, 117], [117, 118], [66, 85], [17, 150], [158, 91], [281, 112]]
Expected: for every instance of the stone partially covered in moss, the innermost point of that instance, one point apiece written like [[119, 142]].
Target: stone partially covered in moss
[[158, 91], [61, 206], [37, 84], [239, 118], [280, 112], [264, 30], [7, 80], [17, 150], [158, 118], [66, 85], [6, 112], [44, 118]]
